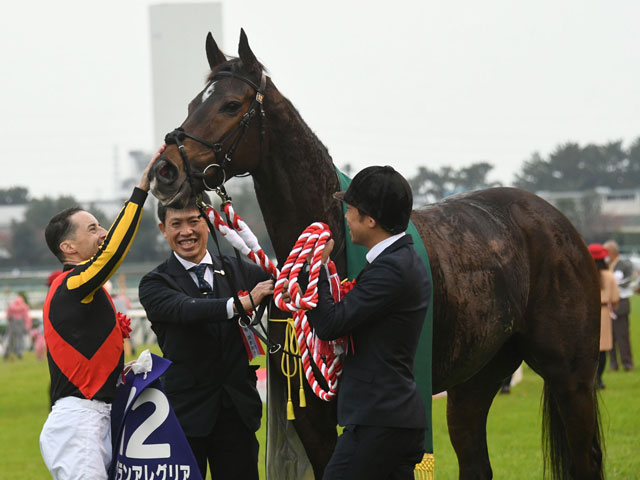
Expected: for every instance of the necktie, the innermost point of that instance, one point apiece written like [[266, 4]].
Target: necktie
[[203, 285]]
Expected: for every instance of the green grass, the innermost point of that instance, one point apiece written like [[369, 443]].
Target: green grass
[[514, 429]]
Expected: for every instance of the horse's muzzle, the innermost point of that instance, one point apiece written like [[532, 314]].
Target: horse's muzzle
[[167, 185]]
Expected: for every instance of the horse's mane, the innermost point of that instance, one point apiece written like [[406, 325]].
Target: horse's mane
[[310, 133]]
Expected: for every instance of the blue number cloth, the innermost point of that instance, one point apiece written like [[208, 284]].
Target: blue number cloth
[[148, 443]]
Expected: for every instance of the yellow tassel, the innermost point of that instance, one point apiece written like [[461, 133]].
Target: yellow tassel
[[290, 414], [289, 370], [303, 399], [425, 470]]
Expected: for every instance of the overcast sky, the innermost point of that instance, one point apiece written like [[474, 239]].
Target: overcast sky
[[406, 83]]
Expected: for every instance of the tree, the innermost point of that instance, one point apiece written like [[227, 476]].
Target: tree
[[28, 246], [13, 196], [571, 167], [431, 185], [633, 168]]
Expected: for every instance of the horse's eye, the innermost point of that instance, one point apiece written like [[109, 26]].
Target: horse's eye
[[231, 107]]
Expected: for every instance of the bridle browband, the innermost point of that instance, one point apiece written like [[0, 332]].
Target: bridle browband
[[178, 135]]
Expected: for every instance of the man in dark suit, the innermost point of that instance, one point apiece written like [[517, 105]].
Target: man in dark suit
[[210, 385], [378, 401]]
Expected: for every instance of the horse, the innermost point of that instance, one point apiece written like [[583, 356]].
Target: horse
[[513, 280]]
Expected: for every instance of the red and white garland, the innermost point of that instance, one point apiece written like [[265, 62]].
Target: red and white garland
[[241, 237], [312, 240]]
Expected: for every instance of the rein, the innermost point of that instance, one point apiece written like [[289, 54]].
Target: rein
[[207, 212], [178, 135]]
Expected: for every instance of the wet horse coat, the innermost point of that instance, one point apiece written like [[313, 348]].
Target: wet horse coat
[[512, 278]]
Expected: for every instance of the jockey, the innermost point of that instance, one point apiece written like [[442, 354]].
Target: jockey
[[84, 340]]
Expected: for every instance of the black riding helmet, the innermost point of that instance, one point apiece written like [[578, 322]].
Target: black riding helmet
[[383, 194]]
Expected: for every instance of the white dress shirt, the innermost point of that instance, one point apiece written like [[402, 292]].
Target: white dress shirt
[[379, 247]]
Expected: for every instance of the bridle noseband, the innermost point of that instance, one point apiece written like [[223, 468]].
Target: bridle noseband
[[178, 135]]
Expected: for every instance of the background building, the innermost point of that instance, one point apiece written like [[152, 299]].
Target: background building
[[178, 61]]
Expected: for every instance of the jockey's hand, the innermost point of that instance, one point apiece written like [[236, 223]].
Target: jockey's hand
[[144, 181], [258, 293]]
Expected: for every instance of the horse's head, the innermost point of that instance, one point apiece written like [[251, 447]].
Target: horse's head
[[223, 133]]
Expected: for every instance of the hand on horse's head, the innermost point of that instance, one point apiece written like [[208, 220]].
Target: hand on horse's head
[[144, 181]]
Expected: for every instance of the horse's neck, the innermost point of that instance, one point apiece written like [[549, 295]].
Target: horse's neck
[[294, 186]]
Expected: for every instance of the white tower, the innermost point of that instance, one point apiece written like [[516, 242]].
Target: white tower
[[178, 60]]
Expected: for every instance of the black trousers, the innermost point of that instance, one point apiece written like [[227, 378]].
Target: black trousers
[[376, 453], [231, 449], [621, 342]]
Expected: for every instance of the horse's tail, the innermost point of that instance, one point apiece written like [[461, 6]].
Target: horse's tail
[[557, 457]]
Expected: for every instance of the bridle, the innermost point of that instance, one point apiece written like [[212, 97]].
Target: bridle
[[178, 135]]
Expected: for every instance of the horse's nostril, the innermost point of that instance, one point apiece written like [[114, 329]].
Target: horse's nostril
[[166, 171]]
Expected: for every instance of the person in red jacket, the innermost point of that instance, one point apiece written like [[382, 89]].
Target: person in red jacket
[[84, 339]]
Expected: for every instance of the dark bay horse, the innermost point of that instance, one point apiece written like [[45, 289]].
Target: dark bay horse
[[513, 280]]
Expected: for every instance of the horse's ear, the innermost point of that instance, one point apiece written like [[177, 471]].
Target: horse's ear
[[214, 55], [249, 60]]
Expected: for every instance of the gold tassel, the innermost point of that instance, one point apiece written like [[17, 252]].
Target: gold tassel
[[303, 399], [291, 346], [290, 414], [425, 470]]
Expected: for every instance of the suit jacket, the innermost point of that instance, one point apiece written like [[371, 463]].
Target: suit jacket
[[384, 313], [210, 364]]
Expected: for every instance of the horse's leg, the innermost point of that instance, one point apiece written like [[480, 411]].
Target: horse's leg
[[467, 408], [316, 427]]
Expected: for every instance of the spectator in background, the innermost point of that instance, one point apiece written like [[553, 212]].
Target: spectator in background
[[609, 297], [18, 323], [623, 271]]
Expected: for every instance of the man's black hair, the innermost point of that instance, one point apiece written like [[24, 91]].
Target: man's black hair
[[162, 210], [59, 229]]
